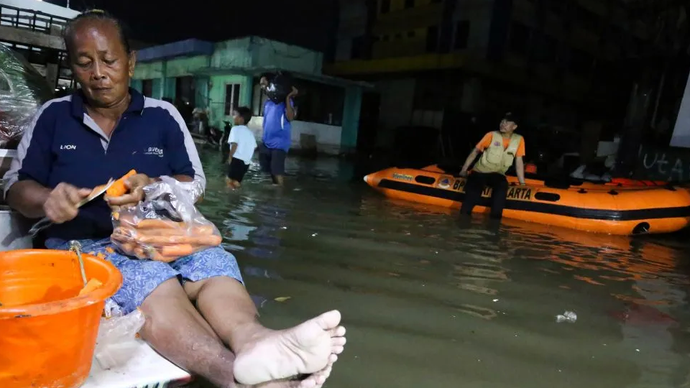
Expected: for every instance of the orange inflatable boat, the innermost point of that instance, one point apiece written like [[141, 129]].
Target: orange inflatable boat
[[633, 208]]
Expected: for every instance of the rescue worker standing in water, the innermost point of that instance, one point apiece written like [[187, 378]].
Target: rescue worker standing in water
[[499, 149]]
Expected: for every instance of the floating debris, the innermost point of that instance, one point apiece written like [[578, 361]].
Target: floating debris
[[315, 234], [282, 299], [567, 316]]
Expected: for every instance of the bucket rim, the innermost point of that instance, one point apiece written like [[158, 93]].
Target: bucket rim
[[108, 289]]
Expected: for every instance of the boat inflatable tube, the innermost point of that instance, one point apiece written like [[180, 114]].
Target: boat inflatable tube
[[630, 209]]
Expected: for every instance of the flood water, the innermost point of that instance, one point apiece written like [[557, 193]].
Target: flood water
[[429, 301]]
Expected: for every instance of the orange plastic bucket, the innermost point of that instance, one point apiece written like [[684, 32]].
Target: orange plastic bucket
[[47, 333]]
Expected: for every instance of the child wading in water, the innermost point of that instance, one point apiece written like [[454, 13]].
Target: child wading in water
[[242, 146]]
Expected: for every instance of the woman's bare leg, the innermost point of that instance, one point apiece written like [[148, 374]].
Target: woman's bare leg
[[177, 331], [263, 354]]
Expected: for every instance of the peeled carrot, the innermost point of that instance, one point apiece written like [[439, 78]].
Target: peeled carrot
[[119, 188], [91, 285]]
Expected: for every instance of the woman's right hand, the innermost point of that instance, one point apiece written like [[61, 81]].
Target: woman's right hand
[[61, 205]]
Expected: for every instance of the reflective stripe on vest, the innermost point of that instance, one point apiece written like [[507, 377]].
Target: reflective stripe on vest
[[495, 158]]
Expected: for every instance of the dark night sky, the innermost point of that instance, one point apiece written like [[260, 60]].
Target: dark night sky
[[308, 23]]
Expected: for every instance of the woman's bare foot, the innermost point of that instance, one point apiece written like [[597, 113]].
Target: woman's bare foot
[[313, 381], [304, 349]]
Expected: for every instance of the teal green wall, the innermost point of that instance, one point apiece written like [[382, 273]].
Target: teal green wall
[[180, 67], [230, 61], [201, 91], [247, 91], [269, 53], [136, 84], [149, 70], [217, 96], [157, 87], [177, 67], [169, 88], [237, 53], [351, 111]]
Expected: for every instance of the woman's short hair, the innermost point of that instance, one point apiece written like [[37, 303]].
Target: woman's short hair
[[95, 14]]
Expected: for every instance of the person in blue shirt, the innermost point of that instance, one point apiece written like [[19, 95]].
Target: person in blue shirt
[[279, 111], [198, 313]]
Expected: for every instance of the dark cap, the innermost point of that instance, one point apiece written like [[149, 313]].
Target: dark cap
[[511, 116]]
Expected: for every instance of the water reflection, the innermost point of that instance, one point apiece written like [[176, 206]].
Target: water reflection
[[434, 301]]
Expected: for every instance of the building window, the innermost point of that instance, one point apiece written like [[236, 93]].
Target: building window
[[462, 34], [519, 38], [147, 87], [385, 6], [232, 98], [357, 49], [320, 103], [432, 39], [409, 3]]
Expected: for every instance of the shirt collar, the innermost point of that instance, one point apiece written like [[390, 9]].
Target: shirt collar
[[136, 105]]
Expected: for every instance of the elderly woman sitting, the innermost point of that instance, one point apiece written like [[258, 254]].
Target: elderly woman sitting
[[198, 313]]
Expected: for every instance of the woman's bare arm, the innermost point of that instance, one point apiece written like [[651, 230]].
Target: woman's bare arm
[[28, 197]]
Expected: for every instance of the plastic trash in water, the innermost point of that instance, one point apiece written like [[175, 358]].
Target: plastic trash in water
[[567, 316]]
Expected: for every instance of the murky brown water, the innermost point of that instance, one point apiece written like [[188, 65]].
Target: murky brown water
[[431, 302]]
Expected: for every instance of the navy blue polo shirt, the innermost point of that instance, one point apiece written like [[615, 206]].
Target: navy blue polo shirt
[[64, 144]]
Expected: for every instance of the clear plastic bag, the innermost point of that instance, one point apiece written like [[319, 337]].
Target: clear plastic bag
[[117, 339], [166, 225], [22, 91]]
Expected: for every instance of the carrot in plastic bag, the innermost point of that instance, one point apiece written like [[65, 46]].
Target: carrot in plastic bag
[[156, 256], [139, 253], [177, 250], [209, 241], [203, 230], [119, 188], [159, 224]]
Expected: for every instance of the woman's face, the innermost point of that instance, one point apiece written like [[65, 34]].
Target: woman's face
[[100, 63]]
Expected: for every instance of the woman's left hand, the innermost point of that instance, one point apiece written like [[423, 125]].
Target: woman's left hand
[[135, 192]]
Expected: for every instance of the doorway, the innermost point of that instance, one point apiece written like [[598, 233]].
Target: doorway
[[368, 122]]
